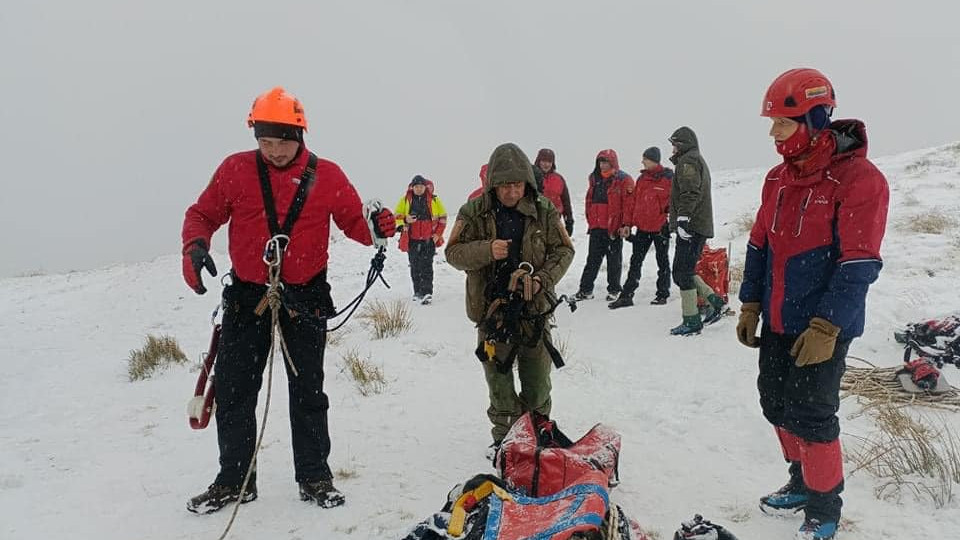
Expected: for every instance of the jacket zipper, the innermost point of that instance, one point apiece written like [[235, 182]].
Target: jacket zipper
[[776, 210], [803, 209]]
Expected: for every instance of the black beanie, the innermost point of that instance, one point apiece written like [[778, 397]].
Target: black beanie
[[418, 181], [279, 131], [652, 153]]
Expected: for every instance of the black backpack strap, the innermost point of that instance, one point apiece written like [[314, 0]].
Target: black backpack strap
[[306, 181]]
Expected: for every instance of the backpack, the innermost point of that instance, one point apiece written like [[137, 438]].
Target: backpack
[[714, 269], [537, 459], [485, 508]]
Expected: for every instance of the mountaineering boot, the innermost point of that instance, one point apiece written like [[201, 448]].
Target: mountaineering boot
[[583, 296], [658, 301], [790, 499], [416, 298], [715, 309], [612, 296], [691, 325], [321, 492], [622, 301], [217, 496], [427, 299], [814, 529]]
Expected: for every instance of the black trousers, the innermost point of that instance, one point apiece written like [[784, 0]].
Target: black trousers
[[685, 258], [238, 376], [601, 245], [802, 400], [420, 254], [641, 245]]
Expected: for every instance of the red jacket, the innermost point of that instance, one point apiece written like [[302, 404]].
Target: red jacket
[[815, 246], [649, 203], [555, 189], [435, 220], [606, 197], [483, 183], [234, 195]]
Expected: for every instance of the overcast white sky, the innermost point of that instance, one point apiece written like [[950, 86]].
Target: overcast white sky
[[115, 112]]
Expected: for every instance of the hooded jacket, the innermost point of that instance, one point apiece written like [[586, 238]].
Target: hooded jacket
[[545, 244], [690, 196], [607, 197], [433, 222], [814, 248]]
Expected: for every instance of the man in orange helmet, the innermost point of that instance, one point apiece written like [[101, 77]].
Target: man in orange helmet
[[813, 252], [280, 191]]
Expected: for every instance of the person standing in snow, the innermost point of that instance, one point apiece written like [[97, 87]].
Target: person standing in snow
[[691, 217], [255, 191], [422, 218], [606, 199], [813, 252], [647, 210], [508, 237], [555, 187]]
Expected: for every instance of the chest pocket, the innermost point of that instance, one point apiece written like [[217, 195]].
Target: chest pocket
[[805, 214]]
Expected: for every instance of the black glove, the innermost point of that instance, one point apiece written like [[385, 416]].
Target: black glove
[[195, 258], [568, 224]]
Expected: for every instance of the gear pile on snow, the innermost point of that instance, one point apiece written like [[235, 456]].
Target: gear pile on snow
[[928, 346], [551, 488]]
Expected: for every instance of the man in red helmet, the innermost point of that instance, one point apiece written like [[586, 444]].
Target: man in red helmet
[[813, 252], [256, 191]]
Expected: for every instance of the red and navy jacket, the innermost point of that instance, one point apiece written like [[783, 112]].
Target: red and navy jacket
[[649, 203], [234, 195], [815, 246], [606, 197]]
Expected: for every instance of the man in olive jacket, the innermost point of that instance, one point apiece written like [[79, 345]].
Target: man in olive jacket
[[510, 228], [691, 217]]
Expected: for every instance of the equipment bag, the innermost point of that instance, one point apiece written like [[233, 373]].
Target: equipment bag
[[537, 459], [714, 269]]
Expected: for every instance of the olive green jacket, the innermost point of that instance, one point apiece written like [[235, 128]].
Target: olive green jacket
[[690, 195], [546, 244]]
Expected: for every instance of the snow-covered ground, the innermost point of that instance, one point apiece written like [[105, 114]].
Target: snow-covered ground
[[86, 454]]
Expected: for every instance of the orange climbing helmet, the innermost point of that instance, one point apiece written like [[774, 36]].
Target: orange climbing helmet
[[277, 107]]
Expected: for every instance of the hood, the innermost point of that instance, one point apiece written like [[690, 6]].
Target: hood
[[851, 136], [546, 153], [611, 156], [427, 183], [509, 164], [684, 139]]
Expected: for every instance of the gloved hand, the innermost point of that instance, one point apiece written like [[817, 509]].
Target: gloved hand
[[816, 343], [681, 232], [747, 326], [195, 258], [568, 224], [437, 240], [384, 223]]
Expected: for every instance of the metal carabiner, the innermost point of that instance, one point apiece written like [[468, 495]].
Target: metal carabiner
[[528, 265], [273, 250]]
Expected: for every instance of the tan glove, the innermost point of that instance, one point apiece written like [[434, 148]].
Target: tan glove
[[816, 343], [747, 326]]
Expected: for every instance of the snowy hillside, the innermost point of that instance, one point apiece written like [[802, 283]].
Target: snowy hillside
[[86, 454]]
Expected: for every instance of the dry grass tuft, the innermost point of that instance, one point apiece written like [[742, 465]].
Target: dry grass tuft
[[335, 339], [387, 319], [934, 221], [742, 224], [346, 474], [368, 377], [156, 353], [910, 455], [736, 275], [563, 346]]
